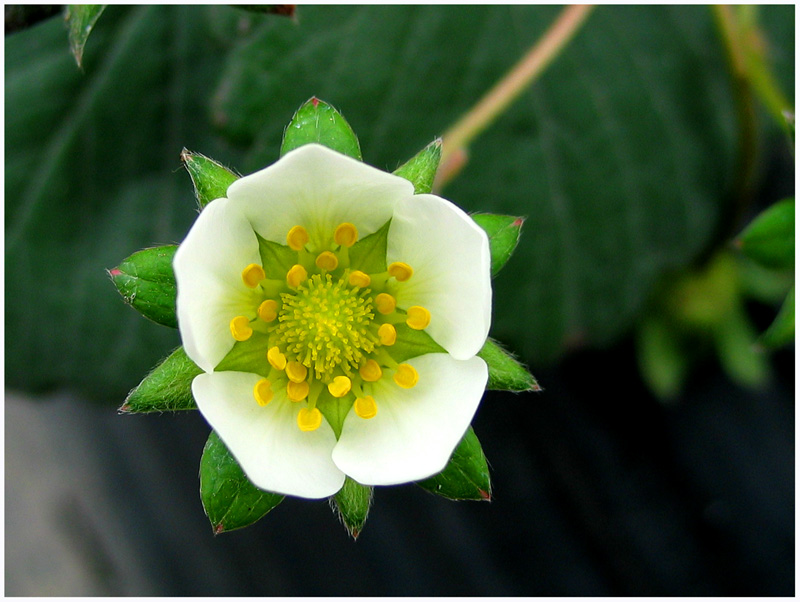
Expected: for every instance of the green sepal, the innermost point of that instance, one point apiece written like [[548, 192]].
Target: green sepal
[[769, 239], [503, 232], [505, 372], [168, 387], [334, 409], [420, 170], [735, 342], [466, 476], [781, 331], [663, 361], [369, 253], [352, 505], [147, 283], [317, 121], [276, 259], [80, 21], [413, 343], [247, 356], [229, 499], [209, 178]]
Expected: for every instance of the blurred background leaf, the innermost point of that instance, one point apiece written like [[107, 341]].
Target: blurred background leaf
[[621, 156]]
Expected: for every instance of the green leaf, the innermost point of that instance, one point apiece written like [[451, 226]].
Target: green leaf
[[209, 178], [276, 259], [504, 232], [369, 253], [230, 500], [769, 239], [168, 387], [505, 372], [352, 504], [80, 20], [147, 283], [317, 121], [420, 170], [781, 331], [466, 476], [413, 343]]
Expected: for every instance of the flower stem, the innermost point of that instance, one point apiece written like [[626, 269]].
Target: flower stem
[[458, 137]]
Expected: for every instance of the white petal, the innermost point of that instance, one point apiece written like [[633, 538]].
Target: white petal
[[317, 188], [274, 453], [208, 272], [450, 256], [415, 430]]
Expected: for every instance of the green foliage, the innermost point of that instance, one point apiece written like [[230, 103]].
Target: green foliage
[[230, 500], [466, 476], [317, 121], [168, 387], [505, 372], [504, 232], [352, 505], [80, 22], [147, 283], [420, 169], [209, 178]]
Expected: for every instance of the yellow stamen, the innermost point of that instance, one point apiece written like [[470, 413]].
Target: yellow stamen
[[418, 317], [406, 376], [268, 310], [309, 420], [276, 359], [252, 275], [365, 407], [296, 372], [296, 276], [359, 279], [340, 386], [371, 371], [385, 303], [401, 271], [297, 238], [240, 328], [297, 391], [387, 334], [263, 392], [346, 235], [327, 261]]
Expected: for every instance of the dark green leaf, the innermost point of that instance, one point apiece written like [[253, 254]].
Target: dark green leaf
[[317, 121], [369, 253], [421, 168], [504, 232], [276, 259], [466, 476], [230, 500], [80, 20], [286, 10], [352, 504], [168, 388], [781, 331], [505, 372], [210, 178], [769, 239], [146, 282]]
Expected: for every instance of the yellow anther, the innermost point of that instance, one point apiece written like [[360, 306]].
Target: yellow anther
[[297, 391], [385, 303], [406, 376], [340, 386], [252, 275], [418, 317], [371, 371], [387, 334], [309, 420], [365, 407], [327, 261], [359, 279], [297, 238], [296, 276], [296, 372], [346, 235], [401, 271], [276, 359], [263, 392], [240, 328], [268, 310]]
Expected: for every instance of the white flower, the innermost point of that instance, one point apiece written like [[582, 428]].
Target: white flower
[[328, 396]]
